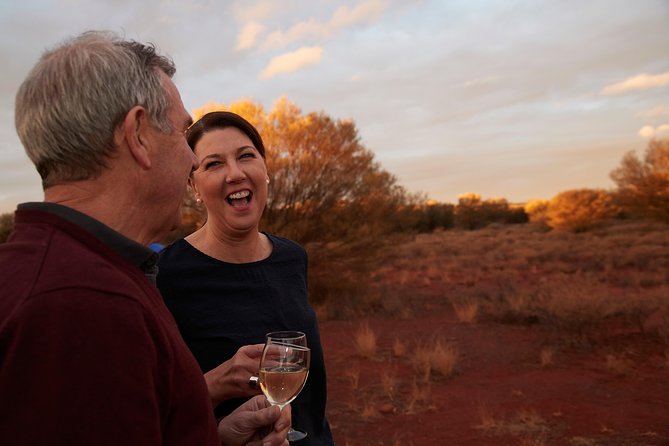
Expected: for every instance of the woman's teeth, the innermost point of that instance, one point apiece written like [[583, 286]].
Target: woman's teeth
[[241, 198]]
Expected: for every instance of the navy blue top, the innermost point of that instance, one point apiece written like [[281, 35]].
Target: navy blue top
[[222, 306]]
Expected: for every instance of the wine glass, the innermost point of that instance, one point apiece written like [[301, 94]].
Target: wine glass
[[284, 368]]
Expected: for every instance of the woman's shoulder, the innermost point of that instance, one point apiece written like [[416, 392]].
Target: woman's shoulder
[[285, 245], [175, 252]]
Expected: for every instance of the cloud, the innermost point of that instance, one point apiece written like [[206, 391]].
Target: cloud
[[480, 81], [367, 9], [637, 83], [342, 17], [248, 35], [299, 31], [655, 111], [249, 11], [648, 131], [293, 61]]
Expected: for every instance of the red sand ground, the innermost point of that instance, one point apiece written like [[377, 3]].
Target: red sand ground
[[501, 395]]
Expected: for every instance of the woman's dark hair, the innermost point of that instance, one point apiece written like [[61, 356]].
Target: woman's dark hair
[[221, 120]]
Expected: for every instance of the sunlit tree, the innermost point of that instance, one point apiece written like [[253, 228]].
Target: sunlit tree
[[580, 209], [643, 184]]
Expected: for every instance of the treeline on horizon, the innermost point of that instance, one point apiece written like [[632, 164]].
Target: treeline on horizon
[[330, 194], [328, 188]]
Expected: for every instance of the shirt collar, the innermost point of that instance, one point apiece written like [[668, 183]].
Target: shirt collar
[[136, 253]]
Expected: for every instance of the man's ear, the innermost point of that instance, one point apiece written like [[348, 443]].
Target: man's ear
[[135, 130]]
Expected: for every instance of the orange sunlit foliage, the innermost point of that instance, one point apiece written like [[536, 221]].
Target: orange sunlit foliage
[[643, 184], [536, 211], [580, 209]]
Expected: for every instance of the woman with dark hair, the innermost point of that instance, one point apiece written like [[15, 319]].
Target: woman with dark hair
[[228, 284]]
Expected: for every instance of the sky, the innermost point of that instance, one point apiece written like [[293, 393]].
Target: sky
[[507, 99]]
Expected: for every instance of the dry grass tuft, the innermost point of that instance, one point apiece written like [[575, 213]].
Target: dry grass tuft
[[525, 424], [466, 311], [364, 341], [487, 420], [419, 397], [618, 365], [399, 348], [444, 358], [369, 410], [352, 374], [420, 360], [547, 356], [389, 382], [438, 358]]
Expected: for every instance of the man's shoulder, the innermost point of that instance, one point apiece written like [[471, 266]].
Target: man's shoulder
[[45, 260]]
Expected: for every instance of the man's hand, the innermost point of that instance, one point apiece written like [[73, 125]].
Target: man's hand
[[256, 423]]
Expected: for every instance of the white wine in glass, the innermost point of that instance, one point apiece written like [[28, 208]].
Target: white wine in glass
[[284, 368]]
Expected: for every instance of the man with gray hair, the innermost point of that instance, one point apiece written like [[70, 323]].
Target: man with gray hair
[[89, 354]]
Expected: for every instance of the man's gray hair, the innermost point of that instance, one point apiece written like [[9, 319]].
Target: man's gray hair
[[72, 101]]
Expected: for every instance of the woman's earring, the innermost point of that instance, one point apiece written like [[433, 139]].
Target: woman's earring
[[198, 200], [267, 179]]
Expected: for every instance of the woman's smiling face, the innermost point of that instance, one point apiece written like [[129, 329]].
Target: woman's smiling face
[[231, 180]]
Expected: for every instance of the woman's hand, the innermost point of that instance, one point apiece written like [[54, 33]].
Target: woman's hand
[[231, 378], [256, 423]]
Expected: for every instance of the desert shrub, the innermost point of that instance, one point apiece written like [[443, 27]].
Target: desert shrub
[[507, 302], [580, 209], [643, 185], [433, 215], [536, 211], [637, 307], [515, 214], [472, 212], [469, 212], [574, 311], [6, 226]]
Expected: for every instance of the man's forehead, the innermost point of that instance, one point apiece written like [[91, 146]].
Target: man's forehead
[[183, 118]]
